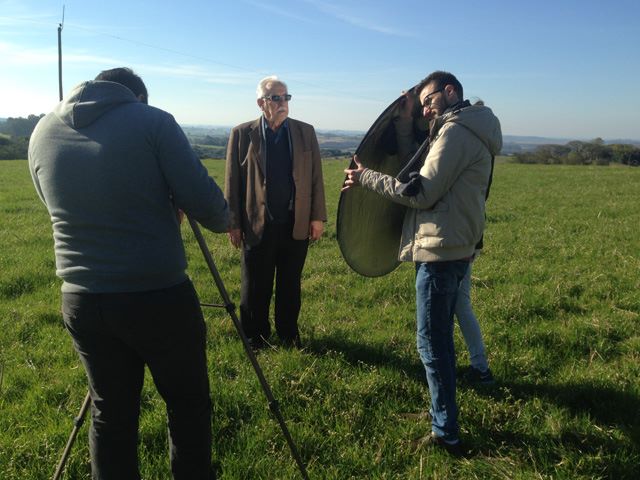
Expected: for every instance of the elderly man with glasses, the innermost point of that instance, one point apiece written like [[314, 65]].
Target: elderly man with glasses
[[275, 191], [442, 226]]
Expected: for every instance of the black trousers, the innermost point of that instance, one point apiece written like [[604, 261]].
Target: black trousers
[[280, 255], [116, 335]]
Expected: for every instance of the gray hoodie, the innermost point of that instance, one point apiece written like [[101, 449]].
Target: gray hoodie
[[112, 171], [446, 218]]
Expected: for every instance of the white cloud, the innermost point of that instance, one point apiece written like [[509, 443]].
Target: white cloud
[[19, 101], [357, 19], [198, 73], [334, 10], [20, 20], [279, 11], [13, 55], [19, 57]]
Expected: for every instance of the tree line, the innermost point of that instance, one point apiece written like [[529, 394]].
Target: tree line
[[14, 136], [576, 152], [19, 126], [15, 133]]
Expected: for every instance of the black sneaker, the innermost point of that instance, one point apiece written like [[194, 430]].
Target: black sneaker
[[478, 377], [294, 342], [454, 449]]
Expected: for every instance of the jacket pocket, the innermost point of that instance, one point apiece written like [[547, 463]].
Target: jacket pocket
[[432, 223]]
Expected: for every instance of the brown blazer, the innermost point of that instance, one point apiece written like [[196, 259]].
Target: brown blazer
[[245, 182]]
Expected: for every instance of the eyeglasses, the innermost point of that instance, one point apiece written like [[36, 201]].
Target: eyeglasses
[[278, 98], [428, 100]]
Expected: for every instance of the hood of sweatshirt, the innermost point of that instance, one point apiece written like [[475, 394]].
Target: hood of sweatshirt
[[90, 100], [480, 120]]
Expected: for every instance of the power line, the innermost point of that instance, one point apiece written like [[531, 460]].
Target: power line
[[200, 58], [215, 62], [170, 50]]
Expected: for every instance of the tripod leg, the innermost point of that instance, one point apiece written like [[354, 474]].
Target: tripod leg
[[231, 309], [77, 423]]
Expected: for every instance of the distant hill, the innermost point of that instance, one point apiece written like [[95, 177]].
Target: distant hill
[[348, 140], [203, 130], [212, 139], [332, 142], [519, 143], [341, 141]]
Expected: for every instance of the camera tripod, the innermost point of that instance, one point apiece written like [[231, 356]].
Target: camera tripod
[[230, 308]]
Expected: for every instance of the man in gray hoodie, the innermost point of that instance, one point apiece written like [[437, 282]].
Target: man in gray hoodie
[[441, 228], [113, 173]]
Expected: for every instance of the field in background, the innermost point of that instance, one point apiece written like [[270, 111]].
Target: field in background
[[556, 291]]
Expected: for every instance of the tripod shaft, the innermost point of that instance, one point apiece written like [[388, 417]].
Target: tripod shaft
[[230, 307], [77, 423]]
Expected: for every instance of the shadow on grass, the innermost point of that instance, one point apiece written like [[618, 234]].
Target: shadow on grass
[[586, 455], [607, 406], [372, 354]]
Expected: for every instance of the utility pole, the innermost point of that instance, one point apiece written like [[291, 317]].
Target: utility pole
[[60, 26]]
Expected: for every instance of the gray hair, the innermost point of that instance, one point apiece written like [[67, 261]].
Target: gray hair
[[271, 80]]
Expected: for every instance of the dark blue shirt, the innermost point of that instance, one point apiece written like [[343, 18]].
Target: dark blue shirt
[[279, 173]]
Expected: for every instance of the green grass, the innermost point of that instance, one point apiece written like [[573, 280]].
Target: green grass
[[556, 291]]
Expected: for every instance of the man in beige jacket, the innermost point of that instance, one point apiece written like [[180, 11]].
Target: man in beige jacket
[[275, 192], [441, 228]]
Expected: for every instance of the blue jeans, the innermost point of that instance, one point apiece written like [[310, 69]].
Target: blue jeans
[[437, 285], [469, 325]]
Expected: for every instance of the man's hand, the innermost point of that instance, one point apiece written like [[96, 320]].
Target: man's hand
[[235, 237], [315, 230], [353, 175]]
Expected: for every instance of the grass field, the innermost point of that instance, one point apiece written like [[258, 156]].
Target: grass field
[[557, 292]]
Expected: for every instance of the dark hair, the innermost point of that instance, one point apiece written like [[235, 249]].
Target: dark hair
[[125, 76], [441, 80]]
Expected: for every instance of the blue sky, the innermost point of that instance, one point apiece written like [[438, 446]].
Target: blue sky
[[547, 68]]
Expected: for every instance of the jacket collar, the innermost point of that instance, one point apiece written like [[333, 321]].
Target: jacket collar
[[255, 136], [447, 115], [458, 106]]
